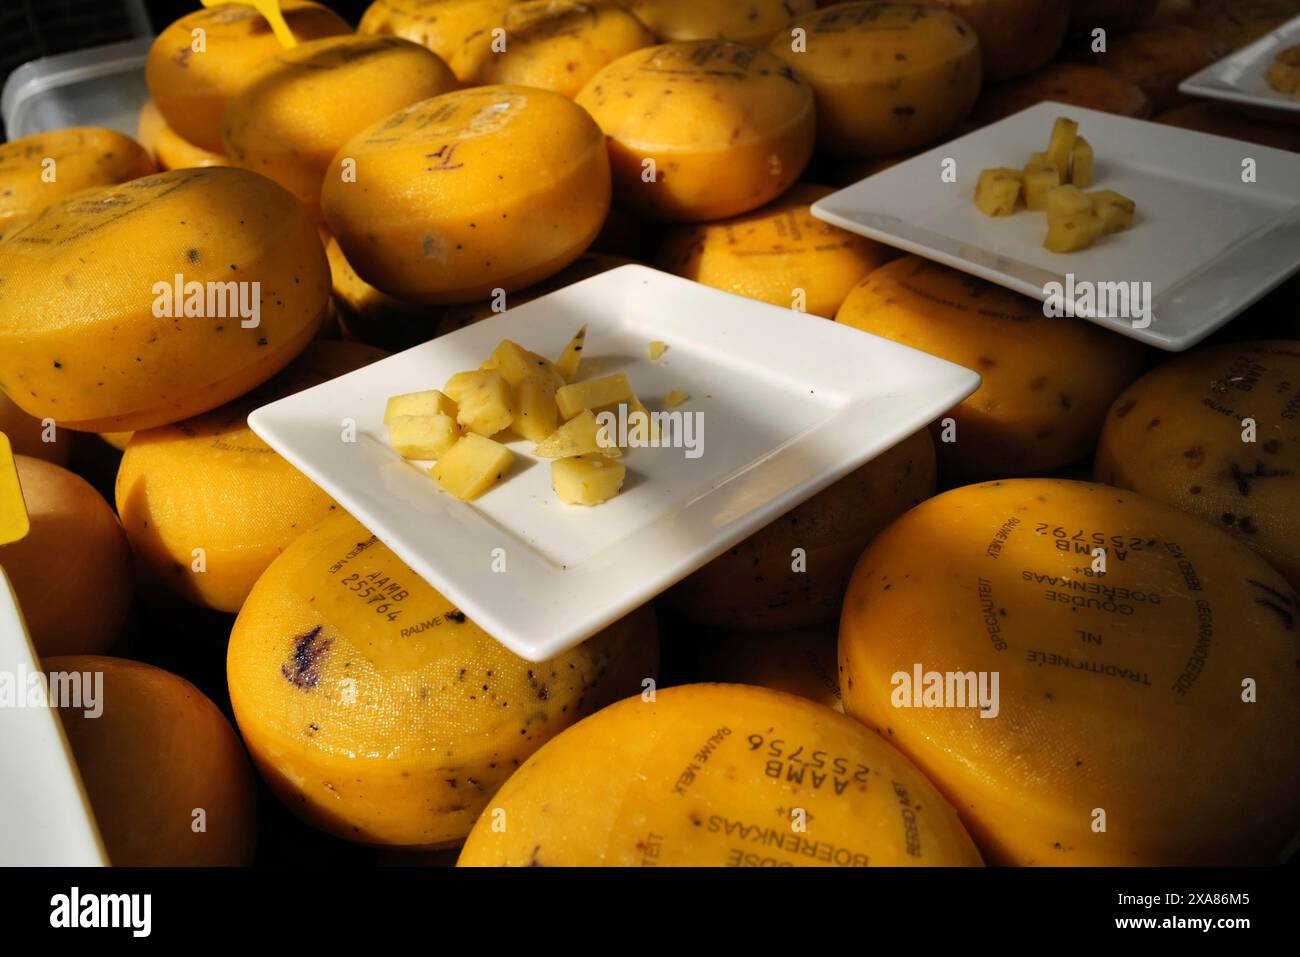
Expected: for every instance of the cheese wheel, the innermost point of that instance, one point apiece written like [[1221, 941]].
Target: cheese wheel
[[561, 44], [297, 108], [378, 712], [1177, 434], [201, 60], [40, 171], [1123, 728], [1016, 36], [1047, 381], [801, 662], [159, 761], [72, 572], [779, 254], [888, 77], [493, 187], [752, 22], [717, 776], [117, 440], [1221, 119], [168, 149], [459, 31], [27, 435], [1076, 84], [208, 505], [1111, 15], [764, 583], [369, 315], [149, 123], [701, 130], [92, 325], [1160, 58]]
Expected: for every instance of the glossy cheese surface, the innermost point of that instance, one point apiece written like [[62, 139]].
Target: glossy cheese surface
[[718, 776], [459, 31], [752, 22], [85, 335], [888, 77], [1119, 733], [490, 187], [37, 172], [377, 711], [701, 130], [27, 434]]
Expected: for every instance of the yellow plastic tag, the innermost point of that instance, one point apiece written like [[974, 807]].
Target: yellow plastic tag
[[14, 523], [270, 9]]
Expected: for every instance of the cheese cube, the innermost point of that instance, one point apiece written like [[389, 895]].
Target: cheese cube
[[489, 407], [471, 466], [536, 414], [1064, 133], [515, 363], [587, 479], [1039, 180], [581, 435], [567, 364], [429, 402], [593, 394], [998, 192], [422, 436], [465, 382], [1114, 209], [1067, 201], [1068, 234], [1082, 164]]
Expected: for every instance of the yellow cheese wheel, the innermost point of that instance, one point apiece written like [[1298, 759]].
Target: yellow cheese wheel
[[92, 330], [1016, 36], [763, 583], [27, 435], [560, 44], [172, 152], [701, 130], [1111, 15], [117, 440], [1077, 84], [1178, 434], [148, 124], [1221, 119], [461, 194], [1144, 712], [378, 712], [369, 315], [779, 254], [1047, 381], [800, 661], [752, 22], [297, 108], [201, 60], [719, 776], [888, 77], [1159, 58], [459, 31], [167, 779], [208, 505], [37, 172], [72, 572]]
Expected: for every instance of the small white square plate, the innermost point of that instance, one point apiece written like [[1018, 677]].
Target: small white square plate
[[789, 404], [1208, 243], [1239, 77]]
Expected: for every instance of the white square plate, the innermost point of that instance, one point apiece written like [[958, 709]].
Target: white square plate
[[789, 404], [1239, 77], [1208, 243]]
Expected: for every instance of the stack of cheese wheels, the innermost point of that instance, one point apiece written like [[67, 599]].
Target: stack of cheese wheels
[[199, 62], [459, 31], [888, 77], [169, 150], [1158, 59], [377, 711], [1111, 15], [40, 439], [1016, 36], [798, 661], [701, 130], [1133, 647], [793, 572], [1077, 84], [37, 172], [208, 505], [779, 254], [461, 194], [718, 775], [1217, 433], [752, 22], [72, 571], [136, 305], [1047, 381], [166, 776], [296, 109], [560, 44], [369, 315]]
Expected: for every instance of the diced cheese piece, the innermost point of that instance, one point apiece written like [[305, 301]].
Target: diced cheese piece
[[1039, 180], [487, 408], [587, 479], [515, 363], [536, 415], [581, 435], [1088, 663], [1114, 209], [429, 402], [998, 191], [354, 703], [471, 466], [1083, 164], [1064, 133], [701, 130], [1071, 233], [567, 364], [657, 349], [1067, 201], [676, 398], [463, 383], [422, 436], [593, 394], [605, 793], [889, 78]]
